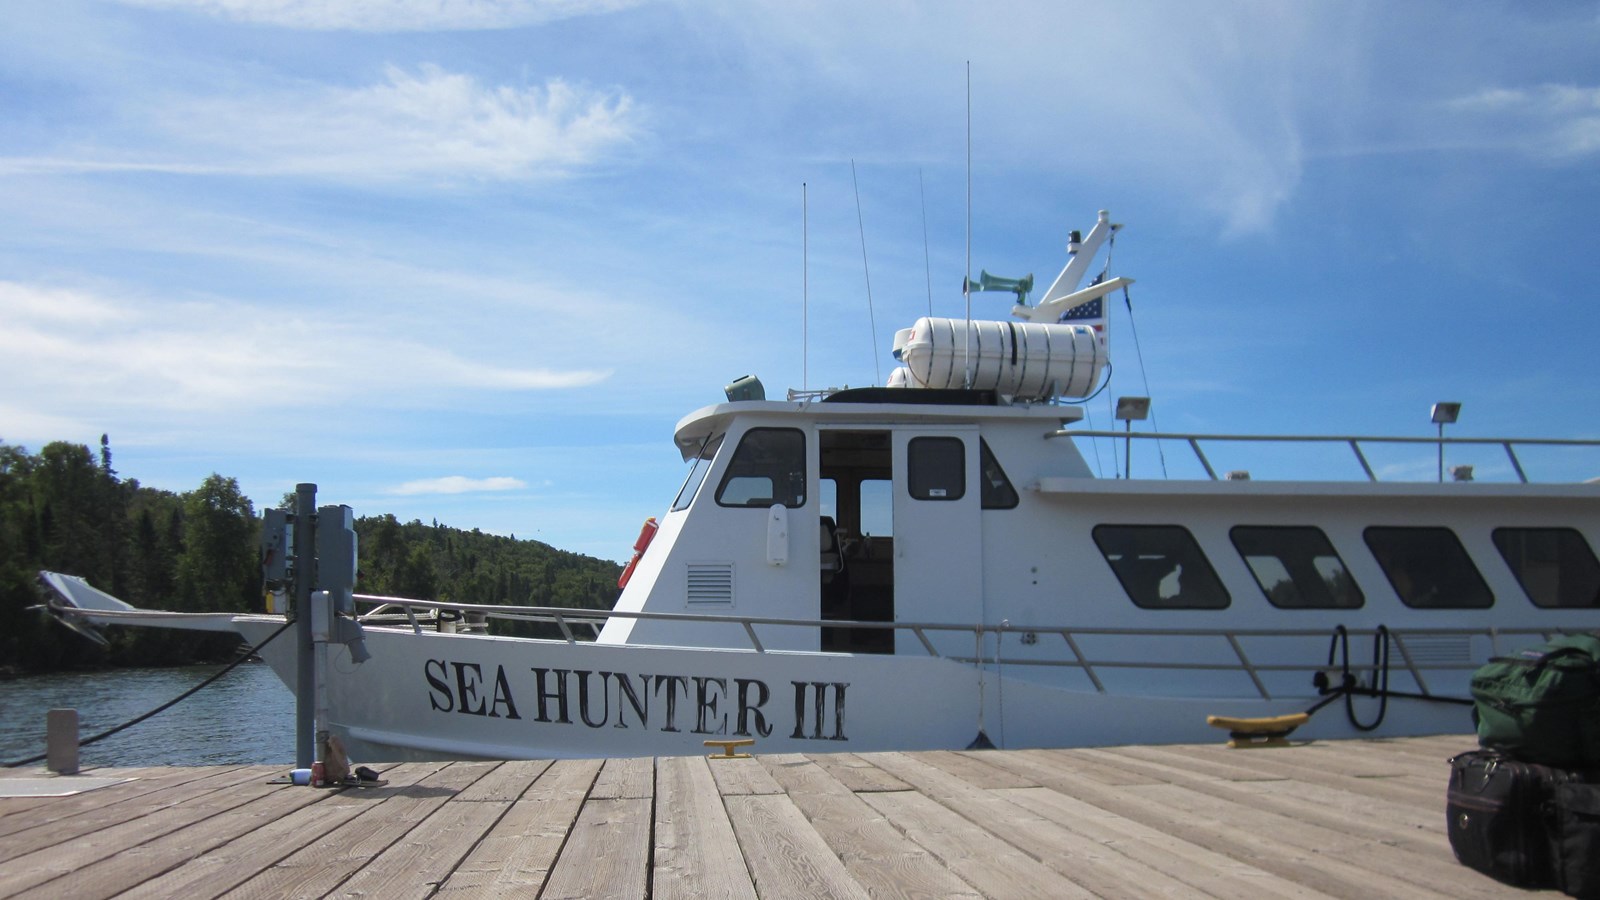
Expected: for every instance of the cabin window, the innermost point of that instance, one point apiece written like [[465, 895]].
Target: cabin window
[[768, 468], [1161, 566], [1554, 565], [1428, 568], [1296, 567], [697, 473], [876, 507], [936, 468], [995, 490]]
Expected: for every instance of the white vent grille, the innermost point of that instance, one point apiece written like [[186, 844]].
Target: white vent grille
[[1439, 649], [710, 584]]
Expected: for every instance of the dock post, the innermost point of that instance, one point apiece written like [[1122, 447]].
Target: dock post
[[61, 741], [305, 579]]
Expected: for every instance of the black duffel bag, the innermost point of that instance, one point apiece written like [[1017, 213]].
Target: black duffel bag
[[1525, 824]]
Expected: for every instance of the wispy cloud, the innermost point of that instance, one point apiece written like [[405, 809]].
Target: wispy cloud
[[424, 124], [392, 15], [1554, 120], [457, 484], [89, 350]]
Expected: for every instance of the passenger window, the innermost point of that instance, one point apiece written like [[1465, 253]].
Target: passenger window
[[1554, 565], [697, 473], [1161, 567], [995, 490], [1428, 568], [936, 468], [769, 467], [1296, 567]]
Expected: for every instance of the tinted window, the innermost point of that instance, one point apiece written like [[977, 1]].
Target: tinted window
[[697, 474], [995, 490], [936, 468], [769, 467], [1428, 568], [1554, 565], [1161, 567], [1296, 567]]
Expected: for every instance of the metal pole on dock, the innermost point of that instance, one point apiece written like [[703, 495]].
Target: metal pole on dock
[[305, 578]]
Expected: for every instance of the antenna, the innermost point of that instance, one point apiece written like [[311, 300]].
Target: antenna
[[966, 282], [927, 265], [805, 293], [872, 318]]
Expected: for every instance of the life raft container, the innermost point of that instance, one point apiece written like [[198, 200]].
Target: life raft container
[[646, 535]]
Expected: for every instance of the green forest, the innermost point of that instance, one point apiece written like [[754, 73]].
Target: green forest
[[66, 509]]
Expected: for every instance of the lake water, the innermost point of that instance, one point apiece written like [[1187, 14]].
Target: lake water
[[246, 717]]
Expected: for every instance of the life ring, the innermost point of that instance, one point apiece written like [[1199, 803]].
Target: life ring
[[646, 535]]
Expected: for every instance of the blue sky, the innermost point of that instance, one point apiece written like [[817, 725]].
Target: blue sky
[[471, 261]]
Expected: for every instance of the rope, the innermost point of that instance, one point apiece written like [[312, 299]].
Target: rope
[[163, 707], [1349, 690]]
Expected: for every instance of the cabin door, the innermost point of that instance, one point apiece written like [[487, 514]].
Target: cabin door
[[938, 539]]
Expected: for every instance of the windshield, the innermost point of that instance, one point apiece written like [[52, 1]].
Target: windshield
[[697, 473]]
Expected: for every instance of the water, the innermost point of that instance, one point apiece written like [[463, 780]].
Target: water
[[245, 717]]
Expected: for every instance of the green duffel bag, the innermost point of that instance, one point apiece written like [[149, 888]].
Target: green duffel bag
[[1543, 705]]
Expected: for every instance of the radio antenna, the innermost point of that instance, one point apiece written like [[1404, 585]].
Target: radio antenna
[[805, 293], [927, 265], [872, 318], [966, 282]]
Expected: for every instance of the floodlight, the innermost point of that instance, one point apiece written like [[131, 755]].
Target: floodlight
[[1131, 409], [1446, 413]]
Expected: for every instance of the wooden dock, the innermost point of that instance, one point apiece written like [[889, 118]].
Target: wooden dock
[[1340, 819]]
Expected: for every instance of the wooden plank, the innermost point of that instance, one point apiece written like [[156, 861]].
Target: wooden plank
[[737, 777], [415, 865], [787, 858], [874, 852], [143, 860], [505, 783], [516, 855], [626, 779], [65, 818], [974, 767], [230, 864], [1277, 845], [696, 853], [1204, 871], [320, 867], [85, 848], [856, 773], [995, 868], [1094, 858], [607, 853]]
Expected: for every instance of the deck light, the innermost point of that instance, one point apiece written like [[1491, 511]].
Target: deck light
[[1444, 414], [1130, 409]]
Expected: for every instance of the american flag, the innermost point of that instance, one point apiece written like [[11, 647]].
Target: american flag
[[1084, 311]]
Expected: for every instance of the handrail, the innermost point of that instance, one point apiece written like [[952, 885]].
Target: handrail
[[1355, 442], [1078, 659]]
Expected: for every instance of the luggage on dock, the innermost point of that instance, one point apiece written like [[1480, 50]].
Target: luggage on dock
[[1543, 705], [1525, 824]]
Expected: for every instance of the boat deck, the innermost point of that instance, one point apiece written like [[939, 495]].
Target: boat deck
[[1341, 819]]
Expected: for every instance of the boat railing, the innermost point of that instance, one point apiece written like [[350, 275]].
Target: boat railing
[[1073, 638], [1355, 443]]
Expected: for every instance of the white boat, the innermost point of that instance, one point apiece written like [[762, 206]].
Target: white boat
[[933, 564]]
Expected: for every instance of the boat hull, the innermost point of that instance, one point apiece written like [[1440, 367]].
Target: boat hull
[[426, 695]]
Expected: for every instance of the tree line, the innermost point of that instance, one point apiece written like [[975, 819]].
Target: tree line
[[66, 509]]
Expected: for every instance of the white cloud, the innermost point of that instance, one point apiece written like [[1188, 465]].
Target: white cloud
[[457, 484], [1555, 120], [428, 124], [392, 15], [223, 358]]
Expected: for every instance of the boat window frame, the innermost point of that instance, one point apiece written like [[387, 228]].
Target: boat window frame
[[1136, 589], [697, 472], [930, 474], [995, 490], [1313, 539], [793, 469], [1407, 590], [1584, 559]]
